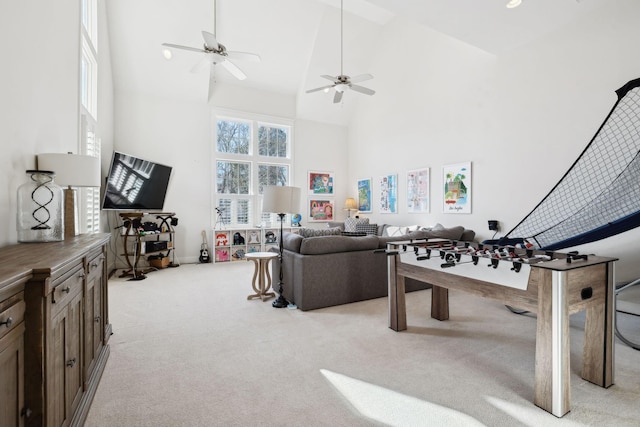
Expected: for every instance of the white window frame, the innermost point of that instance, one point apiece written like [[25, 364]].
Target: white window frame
[[88, 141], [256, 217]]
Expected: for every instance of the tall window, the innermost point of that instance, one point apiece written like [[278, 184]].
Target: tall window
[[249, 154], [89, 143]]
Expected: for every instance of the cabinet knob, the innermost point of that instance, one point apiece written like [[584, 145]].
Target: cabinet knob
[[97, 319], [71, 362], [67, 289], [7, 322], [26, 412], [94, 265]]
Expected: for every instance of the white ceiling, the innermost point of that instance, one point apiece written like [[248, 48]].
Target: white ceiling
[[298, 40]]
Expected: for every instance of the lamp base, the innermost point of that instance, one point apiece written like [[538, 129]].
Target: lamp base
[[70, 229], [280, 302]]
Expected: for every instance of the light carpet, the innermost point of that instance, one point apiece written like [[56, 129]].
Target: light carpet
[[189, 349]]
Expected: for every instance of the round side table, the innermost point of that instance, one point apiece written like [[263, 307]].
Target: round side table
[[261, 272]]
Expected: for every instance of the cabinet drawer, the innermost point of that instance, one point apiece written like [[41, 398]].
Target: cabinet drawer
[[94, 265], [67, 289], [11, 315]]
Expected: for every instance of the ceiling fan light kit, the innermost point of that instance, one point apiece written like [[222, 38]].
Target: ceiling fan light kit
[[513, 4], [342, 82]]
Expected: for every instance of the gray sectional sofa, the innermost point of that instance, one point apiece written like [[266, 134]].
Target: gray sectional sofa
[[330, 270]]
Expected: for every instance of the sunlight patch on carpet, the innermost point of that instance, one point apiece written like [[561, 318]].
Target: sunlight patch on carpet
[[530, 416], [393, 408]]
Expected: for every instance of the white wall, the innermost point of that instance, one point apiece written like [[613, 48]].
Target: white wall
[[522, 119], [323, 148], [39, 42], [179, 133]]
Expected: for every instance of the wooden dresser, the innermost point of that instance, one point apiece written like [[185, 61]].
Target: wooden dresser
[[54, 330]]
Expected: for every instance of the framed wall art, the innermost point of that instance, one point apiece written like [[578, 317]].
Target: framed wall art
[[320, 183], [320, 210], [364, 195], [389, 194], [457, 188], [418, 191]]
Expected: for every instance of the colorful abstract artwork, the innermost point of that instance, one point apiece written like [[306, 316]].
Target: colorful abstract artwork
[[321, 183], [389, 194], [418, 191], [364, 195], [320, 210], [457, 188]]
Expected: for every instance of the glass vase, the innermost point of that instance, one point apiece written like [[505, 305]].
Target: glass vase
[[40, 215]]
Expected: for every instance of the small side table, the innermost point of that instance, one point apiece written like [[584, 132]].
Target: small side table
[[261, 261]]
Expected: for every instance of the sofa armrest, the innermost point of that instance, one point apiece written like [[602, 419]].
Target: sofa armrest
[[291, 241]]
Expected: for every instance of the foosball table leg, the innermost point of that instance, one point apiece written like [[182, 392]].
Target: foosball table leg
[[396, 299], [439, 303]]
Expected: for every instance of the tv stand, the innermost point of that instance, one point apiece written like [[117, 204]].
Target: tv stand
[[149, 238]]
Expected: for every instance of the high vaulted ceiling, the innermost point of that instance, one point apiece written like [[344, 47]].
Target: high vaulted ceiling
[[298, 40]]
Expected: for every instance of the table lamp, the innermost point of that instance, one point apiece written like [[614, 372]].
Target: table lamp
[[72, 170], [280, 200], [350, 205]]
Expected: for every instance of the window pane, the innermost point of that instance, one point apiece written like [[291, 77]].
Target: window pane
[[223, 213], [233, 177], [272, 141], [272, 175], [233, 137], [242, 211]]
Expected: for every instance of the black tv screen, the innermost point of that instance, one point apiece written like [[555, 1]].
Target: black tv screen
[[135, 184]]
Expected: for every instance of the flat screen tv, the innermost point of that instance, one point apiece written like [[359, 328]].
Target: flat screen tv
[[135, 184]]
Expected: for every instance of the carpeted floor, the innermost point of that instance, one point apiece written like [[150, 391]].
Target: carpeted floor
[[188, 349]]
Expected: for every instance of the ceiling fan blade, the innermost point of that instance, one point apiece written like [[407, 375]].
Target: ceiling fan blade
[[210, 40], [361, 78], [243, 56], [233, 69], [212, 81], [320, 88], [177, 46], [333, 79], [362, 89], [199, 66], [337, 97]]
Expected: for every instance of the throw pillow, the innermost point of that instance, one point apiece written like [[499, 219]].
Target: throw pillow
[[315, 232], [350, 223], [367, 228], [395, 231]]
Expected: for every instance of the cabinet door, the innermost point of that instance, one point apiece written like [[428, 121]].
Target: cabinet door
[[12, 377], [93, 316], [65, 381]]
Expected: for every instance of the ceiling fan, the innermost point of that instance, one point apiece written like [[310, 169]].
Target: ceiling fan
[[342, 82], [214, 53]]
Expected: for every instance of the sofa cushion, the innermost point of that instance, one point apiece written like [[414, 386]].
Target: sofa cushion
[[367, 228], [468, 235], [333, 244], [350, 223], [313, 232], [453, 233]]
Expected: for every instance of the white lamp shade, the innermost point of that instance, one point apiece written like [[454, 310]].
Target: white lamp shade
[[281, 199], [350, 204], [72, 170]]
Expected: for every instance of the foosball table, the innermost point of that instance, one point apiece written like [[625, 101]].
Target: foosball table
[[551, 284]]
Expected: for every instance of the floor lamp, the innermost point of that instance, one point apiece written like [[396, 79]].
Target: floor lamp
[[72, 170], [280, 200]]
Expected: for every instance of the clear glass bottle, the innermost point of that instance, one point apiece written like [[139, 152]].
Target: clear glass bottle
[[40, 215]]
